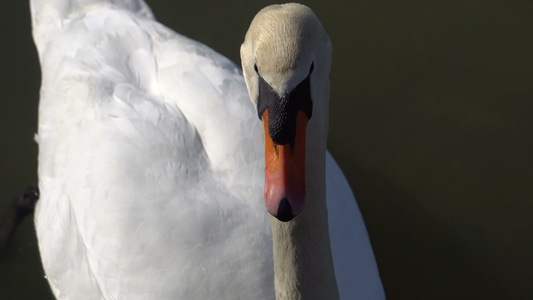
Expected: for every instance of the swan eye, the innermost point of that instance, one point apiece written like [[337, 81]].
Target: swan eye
[[256, 70], [312, 68]]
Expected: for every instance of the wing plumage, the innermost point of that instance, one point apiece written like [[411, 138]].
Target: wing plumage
[[355, 266], [150, 176]]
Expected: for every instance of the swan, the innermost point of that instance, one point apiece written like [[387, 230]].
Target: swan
[[152, 162]]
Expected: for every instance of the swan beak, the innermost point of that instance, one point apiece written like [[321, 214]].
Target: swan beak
[[285, 172]]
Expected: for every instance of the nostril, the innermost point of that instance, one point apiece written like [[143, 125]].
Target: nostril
[[284, 211]]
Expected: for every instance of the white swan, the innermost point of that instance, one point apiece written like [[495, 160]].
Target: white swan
[[151, 165]]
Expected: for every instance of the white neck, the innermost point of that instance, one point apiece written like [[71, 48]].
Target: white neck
[[303, 263]]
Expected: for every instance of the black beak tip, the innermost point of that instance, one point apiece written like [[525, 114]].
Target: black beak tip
[[284, 211]]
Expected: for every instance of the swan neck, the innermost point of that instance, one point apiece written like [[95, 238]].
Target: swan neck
[[303, 263]]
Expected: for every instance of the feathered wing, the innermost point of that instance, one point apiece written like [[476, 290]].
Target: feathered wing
[[150, 176], [356, 269]]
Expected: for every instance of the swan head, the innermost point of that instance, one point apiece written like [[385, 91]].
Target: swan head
[[286, 59]]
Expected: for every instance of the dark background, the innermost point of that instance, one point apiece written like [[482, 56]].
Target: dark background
[[431, 121]]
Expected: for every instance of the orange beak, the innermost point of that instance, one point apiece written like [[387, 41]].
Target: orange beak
[[285, 172]]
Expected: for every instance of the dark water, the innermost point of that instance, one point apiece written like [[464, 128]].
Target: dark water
[[431, 120]]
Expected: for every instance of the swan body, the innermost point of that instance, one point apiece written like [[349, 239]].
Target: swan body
[[151, 166]]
